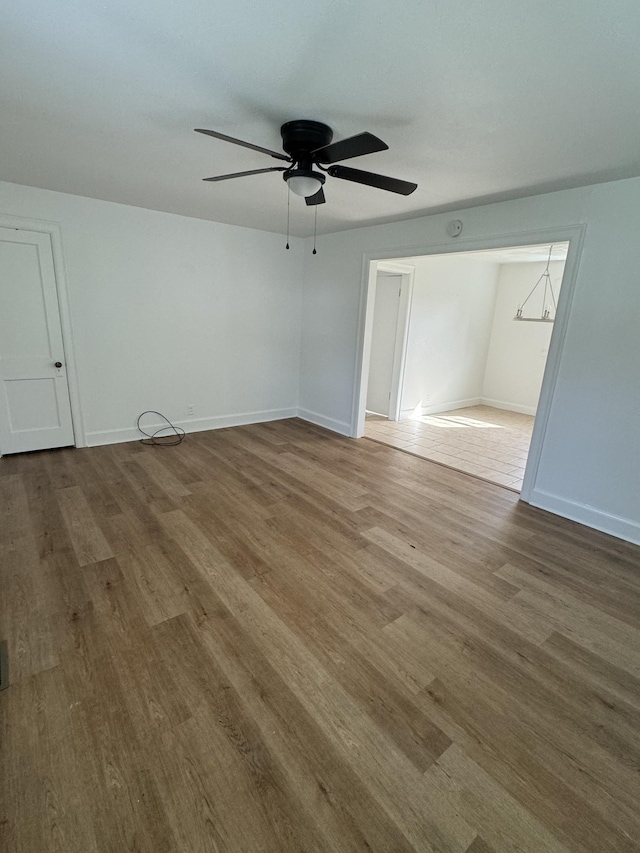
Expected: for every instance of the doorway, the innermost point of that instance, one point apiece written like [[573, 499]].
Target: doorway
[[383, 343], [391, 295], [35, 407], [480, 327]]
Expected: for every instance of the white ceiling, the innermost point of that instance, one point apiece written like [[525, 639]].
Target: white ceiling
[[478, 99], [510, 255]]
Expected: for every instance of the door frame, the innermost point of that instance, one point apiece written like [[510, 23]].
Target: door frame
[[571, 234], [406, 273], [19, 223]]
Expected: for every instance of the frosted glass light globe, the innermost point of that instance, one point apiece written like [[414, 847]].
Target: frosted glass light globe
[[304, 185]]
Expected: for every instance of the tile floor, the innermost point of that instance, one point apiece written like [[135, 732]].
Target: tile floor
[[489, 443]]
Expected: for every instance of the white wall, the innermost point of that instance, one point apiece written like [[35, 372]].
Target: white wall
[[211, 314], [169, 311], [449, 332], [590, 464], [518, 351]]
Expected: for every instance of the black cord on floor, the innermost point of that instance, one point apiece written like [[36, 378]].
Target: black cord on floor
[[154, 438]]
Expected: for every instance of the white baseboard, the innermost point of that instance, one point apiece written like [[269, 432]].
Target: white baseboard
[[405, 414], [116, 436], [471, 401], [622, 528], [340, 427], [509, 407], [441, 407]]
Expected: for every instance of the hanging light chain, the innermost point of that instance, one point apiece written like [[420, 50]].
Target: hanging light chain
[[315, 221], [288, 212], [315, 229]]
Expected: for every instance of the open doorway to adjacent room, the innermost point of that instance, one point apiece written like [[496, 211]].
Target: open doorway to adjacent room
[[458, 350]]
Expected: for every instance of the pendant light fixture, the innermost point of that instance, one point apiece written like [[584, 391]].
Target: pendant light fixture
[[545, 311]]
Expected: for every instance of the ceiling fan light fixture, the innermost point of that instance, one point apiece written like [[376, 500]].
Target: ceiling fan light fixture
[[304, 182], [308, 143]]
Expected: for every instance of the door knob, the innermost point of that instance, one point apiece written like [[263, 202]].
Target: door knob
[[58, 364]]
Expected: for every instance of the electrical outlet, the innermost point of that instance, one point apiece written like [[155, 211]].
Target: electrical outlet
[[190, 408]]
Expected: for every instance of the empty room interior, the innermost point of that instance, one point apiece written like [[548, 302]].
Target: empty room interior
[[319, 408], [457, 362]]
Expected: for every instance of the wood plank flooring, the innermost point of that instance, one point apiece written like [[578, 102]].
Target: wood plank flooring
[[272, 638]]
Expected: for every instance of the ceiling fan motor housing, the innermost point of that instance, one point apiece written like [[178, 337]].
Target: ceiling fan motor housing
[[301, 137]]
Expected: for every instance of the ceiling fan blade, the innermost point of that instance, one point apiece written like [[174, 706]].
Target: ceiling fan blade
[[242, 174], [381, 182], [318, 198], [345, 149], [253, 147]]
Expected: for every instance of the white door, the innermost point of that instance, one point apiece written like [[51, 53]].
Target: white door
[[383, 342], [35, 412]]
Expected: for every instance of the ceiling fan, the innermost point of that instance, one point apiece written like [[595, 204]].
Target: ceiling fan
[[308, 144]]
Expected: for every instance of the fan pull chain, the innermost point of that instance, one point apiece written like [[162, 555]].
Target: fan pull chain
[[315, 230], [288, 212]]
